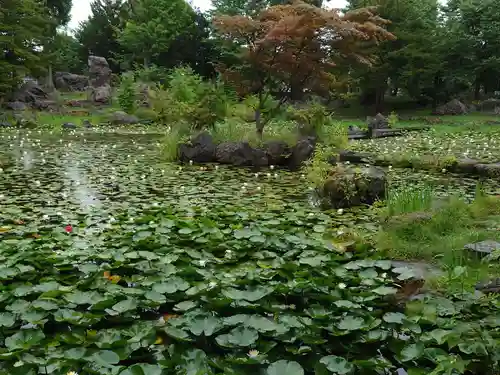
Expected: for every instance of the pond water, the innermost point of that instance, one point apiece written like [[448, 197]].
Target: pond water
[[90, 177]]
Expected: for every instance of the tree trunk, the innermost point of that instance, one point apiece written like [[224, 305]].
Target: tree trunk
[[50, 79], [380, 99], [477, 89]]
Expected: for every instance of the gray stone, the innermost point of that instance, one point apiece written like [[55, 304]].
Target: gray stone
[[16, 106], [200, 149], [483, 247], [101, 94], [68, 125], [99, 71], [86, 124], [30, 92], [453, 107], [65, 81], [491, 286], [122, 118], [5, 124], [349, 186], [277, 152], [377, 122], [301, 152], [421, 270], [239, 154]]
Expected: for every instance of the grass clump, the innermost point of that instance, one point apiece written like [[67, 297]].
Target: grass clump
[[409, 199], [127, 93]]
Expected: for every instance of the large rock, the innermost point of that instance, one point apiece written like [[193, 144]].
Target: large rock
[[122, 118], [101, 95], [301, 152], [201, 149], [16, 106], [240, 154], [453, 107], [377, 122], [65, 81], [30, 92], [277, 152], [99, 71], [99, 80], [353, 186], [489, 105]]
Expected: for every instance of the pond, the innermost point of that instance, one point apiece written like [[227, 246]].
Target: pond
[[90, 177], [113, 262]]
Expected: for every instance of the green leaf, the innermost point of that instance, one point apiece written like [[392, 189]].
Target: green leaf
[[105, 358], [142, 369], [172, 285], [412, 352], [350, 323], [124, 306], [251, 294], [185, 231], [337, 365], [75, 353], [394, 317], [24, 339], [384, 290], [7, 319], [239, 336], [208, 326], [283, 367]]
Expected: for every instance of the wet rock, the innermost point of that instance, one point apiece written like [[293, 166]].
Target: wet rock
[[78, 103], [355, 157], [489, 105], [87, 124], [239, 154], [65, 81], [45, 105], [25, 120], [453, 107], [5, 124], [488, 170], [68, 126], [122, 118], [277, 152], [301, 152], [349, 186], [483, 248], [491, 286], [16, 106], [201, 149], [466, 166]]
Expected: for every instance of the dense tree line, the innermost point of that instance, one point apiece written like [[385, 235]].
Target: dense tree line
[[437, 51]]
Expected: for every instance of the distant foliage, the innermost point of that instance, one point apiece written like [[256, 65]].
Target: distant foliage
[[127, 93]]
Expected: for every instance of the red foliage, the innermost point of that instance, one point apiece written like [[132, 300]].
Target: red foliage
[[297, 45]]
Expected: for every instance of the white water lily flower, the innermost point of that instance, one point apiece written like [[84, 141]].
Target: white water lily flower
[[256, 175], [443, 170], [216, 167], [342, 286], [203, 263], [71, 373], [275, 175], [340, 232], [45, 217], [37, 183], [302, 176], [259, 188], [228, 253], [59, 214], [384, 275], [212, 284], [253, 353], [271, 166], [340, 211], [190, 162]]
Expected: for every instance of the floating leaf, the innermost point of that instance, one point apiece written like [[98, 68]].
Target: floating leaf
[[283, 367], [239, 336], [337, 365]]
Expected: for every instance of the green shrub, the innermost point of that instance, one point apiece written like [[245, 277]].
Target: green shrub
[[127, 93], [317, 169], [312, 118], [393, 119]]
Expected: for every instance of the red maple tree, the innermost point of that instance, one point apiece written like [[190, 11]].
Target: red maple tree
[[288, 48]]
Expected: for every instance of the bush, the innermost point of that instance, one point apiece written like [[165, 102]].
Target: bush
[[318, 168], [127, 93]]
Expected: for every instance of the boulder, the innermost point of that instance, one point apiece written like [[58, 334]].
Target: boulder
[[489, 105], [122, 118], [301, 152], [65, 81], [101, 94], [491, 170], [277, 152], [377, 122], [240, 154], [353, 186], [16, 106], [45, 105], [30, 92], [25, 120], [201, 149], [99, 71], [453, 107]]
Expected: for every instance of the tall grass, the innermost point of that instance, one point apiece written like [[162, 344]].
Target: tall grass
[[409, 199]]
